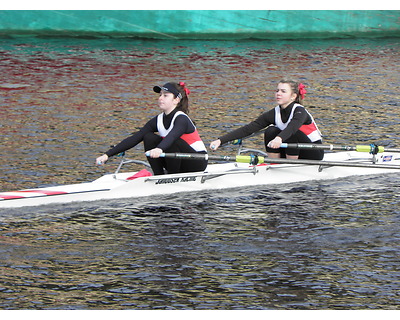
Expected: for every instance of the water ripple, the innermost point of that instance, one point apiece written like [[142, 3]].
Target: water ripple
[[323, 245]]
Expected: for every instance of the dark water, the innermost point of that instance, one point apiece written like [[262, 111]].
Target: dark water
[[320, 245]]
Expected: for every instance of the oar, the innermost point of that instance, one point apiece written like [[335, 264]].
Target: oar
[[254, 160], [372, 148]]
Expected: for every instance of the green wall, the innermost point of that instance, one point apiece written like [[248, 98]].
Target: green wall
[[201, 24]]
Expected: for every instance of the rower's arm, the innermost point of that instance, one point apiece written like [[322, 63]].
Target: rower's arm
[[261, 122]]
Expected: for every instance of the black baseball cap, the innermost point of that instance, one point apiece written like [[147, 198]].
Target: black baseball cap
[[169, 87]]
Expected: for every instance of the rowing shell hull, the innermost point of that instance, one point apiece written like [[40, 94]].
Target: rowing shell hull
[[217, 176]]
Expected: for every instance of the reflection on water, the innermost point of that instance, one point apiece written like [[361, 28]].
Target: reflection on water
[[331, 244], [273, 249]]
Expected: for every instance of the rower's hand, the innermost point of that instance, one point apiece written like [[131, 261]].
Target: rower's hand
[[101, 160], [155, 153], [215, 144], [275, 143]]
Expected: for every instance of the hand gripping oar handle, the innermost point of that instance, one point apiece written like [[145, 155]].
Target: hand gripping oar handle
[[372, 148]]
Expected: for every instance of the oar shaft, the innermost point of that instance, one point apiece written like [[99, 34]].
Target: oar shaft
[[360, 148], [205, 156], [317, 146], [253, 160]]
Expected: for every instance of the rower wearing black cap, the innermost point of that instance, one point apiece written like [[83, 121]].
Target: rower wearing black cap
[[171, 131]]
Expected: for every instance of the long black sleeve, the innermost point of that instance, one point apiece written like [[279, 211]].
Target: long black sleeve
[[182, 125], [264, 120], [136, 138], [300, 117]]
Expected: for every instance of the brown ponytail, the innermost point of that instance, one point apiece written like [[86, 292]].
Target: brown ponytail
[[183, 105]]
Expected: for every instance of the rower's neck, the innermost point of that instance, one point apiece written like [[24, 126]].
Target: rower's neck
[[284, 106], [172, 110]]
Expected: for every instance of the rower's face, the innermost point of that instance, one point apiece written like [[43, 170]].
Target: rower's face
[[167, 101], [284, 95]]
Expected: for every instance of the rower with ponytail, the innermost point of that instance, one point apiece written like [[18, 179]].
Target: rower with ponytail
[[170, 131], [288, 122]]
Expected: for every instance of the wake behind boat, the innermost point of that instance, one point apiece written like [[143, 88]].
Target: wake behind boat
[[239, 171]]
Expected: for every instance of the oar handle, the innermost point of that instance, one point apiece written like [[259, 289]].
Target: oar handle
[[147, 153]]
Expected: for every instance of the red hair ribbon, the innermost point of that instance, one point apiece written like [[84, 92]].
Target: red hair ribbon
[[183, 85], [302, 90]]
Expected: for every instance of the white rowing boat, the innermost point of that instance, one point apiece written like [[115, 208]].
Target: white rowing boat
[[234, 173]]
